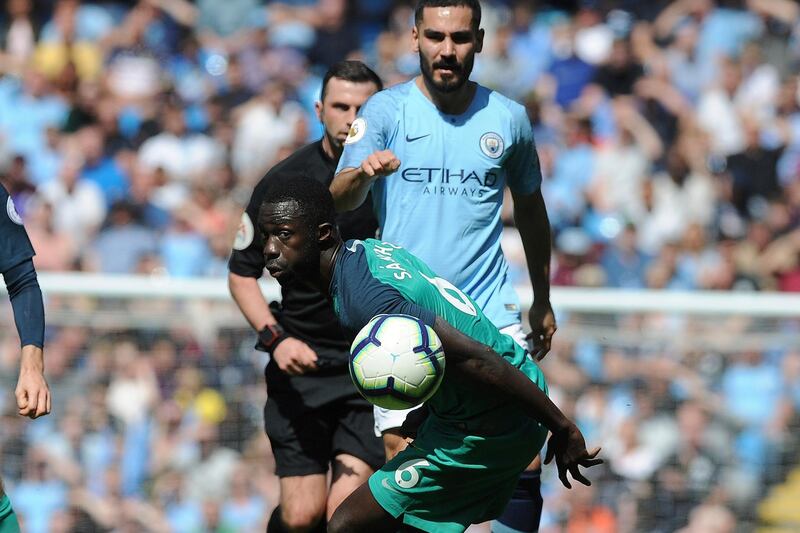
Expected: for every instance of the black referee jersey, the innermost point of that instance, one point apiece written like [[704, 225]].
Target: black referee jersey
[[305, 313]]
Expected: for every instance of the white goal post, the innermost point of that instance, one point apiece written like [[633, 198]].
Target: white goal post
[[563, 298]]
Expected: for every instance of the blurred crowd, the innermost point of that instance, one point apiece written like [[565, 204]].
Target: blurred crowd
[[132, 133], [151, 432], [668, 136], [696, 417]]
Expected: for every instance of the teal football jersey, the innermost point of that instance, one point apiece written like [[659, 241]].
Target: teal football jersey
[[373, 277]]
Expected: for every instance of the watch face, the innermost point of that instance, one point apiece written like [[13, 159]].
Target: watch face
[[272, 333]]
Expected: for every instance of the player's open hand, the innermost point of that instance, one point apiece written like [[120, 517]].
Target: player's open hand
[[543, 327], [295, 357], [32, 392], [569, 450], [379, 164]]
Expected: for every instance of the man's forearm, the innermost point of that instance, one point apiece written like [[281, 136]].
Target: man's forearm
[[247, 294], [26, 300], [483, 365], [530, 216], [349, 189]]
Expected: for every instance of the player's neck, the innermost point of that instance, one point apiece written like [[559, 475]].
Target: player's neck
[[327, 261], [330, 148], [454, 103]]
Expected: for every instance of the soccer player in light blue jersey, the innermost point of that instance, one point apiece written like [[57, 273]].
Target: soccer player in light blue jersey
[[437, 153]]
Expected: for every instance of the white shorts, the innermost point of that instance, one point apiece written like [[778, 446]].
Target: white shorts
[[386, 419]]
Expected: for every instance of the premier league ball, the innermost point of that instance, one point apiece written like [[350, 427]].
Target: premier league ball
[[396, 361]]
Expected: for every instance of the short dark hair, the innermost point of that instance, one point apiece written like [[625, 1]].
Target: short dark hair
[[314, 200], [474, 5], [349, 70]]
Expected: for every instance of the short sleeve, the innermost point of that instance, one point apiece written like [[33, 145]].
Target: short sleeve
[[247, 258], [15, 247], [523, 172], [369, 132], [360, 296]]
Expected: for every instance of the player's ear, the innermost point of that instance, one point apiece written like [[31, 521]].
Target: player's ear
[[415, 39], [318, 109], [479, 41], [327, 235]]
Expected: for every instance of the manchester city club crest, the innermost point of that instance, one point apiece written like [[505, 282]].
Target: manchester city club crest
[[492, 145]]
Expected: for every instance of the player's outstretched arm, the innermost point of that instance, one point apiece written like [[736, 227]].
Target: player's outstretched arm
[[483, 365], [351, 185], [32, 392]]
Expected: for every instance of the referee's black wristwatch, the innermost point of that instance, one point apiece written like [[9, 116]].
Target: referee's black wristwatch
[[270, 337]]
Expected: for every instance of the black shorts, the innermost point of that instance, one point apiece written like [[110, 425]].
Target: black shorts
[[313, 418]]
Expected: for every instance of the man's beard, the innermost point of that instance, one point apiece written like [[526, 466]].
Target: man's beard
[[336, 144], [460, 74]]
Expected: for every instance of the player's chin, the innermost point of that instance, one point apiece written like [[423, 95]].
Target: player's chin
[[449, 84], [284, 277]]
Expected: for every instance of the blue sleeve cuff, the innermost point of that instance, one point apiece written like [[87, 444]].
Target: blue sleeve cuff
[[26, 300]]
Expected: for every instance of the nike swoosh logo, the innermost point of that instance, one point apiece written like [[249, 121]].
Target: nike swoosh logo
[[412, 139]]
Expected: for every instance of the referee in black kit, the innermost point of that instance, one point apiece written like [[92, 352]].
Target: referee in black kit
[[314, 417]]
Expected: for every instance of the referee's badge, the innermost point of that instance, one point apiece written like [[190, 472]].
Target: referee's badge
[[492, 145], [245, 233], [357, 130], [12, 212]]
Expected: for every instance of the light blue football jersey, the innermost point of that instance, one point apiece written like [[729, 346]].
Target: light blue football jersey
[[443, 203]]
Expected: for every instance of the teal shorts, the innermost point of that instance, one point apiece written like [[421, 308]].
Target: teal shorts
[[448, 479]]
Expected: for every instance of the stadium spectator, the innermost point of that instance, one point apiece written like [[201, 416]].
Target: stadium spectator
[[123, 243], [78, 205], [624, 264], [40, 493], [19, 34], [59, 250], [183, 155]]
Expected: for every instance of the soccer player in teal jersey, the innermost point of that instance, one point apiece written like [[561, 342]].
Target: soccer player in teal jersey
[[437, 153], [490, 415]]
